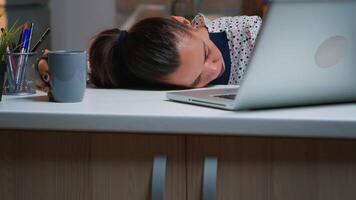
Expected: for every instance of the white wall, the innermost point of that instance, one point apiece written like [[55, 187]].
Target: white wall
[[74, 22]]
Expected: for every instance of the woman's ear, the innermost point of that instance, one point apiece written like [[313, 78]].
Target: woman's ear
[[182, 20]]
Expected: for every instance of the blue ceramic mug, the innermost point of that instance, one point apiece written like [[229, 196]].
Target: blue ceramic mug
[[67, 70]]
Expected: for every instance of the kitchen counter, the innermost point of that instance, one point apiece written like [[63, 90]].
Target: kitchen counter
[[104, 110]]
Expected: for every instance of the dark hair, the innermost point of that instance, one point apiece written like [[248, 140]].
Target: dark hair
[[146, 55]]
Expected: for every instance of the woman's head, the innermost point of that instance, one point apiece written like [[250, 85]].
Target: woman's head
[[156, 51], [200, 60], [147, 54]]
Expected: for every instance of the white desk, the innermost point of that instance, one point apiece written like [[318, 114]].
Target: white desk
[[149, 111]]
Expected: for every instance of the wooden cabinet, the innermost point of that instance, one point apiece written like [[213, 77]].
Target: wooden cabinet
[[102, 166]]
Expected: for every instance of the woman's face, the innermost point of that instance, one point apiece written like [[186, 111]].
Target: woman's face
[[201, 61]]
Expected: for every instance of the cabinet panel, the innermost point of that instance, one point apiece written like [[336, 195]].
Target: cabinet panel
[[275, 168], [34, 165], [243, 168], [78, 166], [122, 166], [314, 169]]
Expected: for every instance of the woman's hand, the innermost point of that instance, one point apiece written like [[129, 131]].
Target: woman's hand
[[42, 68]]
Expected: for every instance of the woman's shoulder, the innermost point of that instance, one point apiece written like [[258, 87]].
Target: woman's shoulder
[[203, 20]]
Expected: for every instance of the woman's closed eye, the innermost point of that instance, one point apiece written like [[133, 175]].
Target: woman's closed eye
[[196, 81], [206, 52]]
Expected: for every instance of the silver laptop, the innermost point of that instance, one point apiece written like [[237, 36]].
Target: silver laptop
[[305, 54]]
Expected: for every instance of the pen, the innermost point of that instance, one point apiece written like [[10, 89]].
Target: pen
[[10, 67], [27, 49], [44, 35], [30, 37], [26, 37]]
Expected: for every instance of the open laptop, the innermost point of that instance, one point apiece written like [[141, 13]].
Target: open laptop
[[305, 54]]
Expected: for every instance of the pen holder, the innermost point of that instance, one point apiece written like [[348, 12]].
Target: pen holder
[[20, 79]]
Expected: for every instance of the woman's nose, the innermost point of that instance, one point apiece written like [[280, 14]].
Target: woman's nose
[[216, 59]]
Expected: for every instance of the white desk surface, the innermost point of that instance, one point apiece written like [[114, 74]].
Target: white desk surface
[[150, 112]]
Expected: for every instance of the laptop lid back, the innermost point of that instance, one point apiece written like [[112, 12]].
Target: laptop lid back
[[305, 54]]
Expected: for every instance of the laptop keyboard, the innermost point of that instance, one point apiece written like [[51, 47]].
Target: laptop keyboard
[[227, 96]]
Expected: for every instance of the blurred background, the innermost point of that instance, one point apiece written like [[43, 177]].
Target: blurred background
[[74, 22]]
